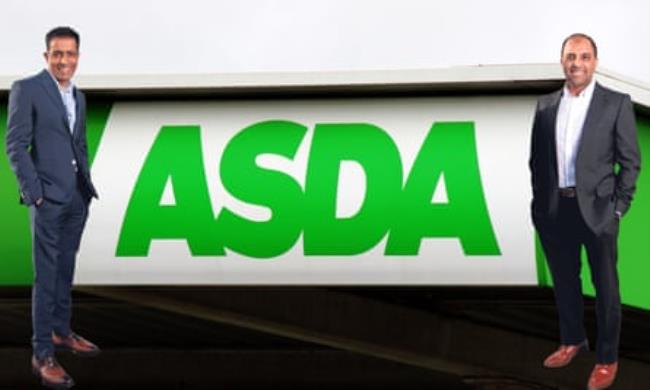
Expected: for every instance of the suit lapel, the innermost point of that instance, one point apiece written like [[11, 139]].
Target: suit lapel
[[53, 92], [551, 128], [593, 112], [78, 102], [596, 108]]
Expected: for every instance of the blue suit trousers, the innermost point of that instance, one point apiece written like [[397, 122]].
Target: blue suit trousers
[[56, 235]]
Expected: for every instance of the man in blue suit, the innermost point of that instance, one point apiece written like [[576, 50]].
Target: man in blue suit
[[46, 145]]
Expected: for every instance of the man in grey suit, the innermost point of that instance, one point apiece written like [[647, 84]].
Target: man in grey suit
[[580, 135], [46, 144]]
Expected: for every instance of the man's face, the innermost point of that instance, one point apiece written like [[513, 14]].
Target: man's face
[[61, 57], [578, 62]]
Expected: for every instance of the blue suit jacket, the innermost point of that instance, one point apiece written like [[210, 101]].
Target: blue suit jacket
[[41, 148]]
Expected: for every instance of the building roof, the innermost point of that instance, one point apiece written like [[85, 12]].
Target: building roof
[[520, 78]]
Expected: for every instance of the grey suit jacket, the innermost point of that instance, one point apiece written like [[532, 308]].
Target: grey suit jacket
[[41, 149], [609, 139]]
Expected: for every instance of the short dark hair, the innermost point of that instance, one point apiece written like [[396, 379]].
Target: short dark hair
[[583, 36], [61, 32]]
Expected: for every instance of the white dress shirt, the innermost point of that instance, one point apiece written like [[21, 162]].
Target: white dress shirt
[[70, 104], [568, 129]]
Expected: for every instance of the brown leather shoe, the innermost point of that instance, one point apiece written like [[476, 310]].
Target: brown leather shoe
[[51, 373], [563, 355], [76, 344], [602, 376]]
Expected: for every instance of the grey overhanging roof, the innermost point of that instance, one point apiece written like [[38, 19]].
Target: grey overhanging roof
[[494, 79]]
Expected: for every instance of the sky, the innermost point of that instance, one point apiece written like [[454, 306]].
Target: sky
[[194, 37]]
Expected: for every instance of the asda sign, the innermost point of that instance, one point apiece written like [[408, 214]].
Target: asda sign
[[392, 204], [355, 191], [395, 191]]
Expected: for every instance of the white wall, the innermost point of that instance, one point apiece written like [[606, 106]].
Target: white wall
[[193, 36]]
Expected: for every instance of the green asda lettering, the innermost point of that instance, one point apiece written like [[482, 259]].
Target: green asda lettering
[[401, 209]]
